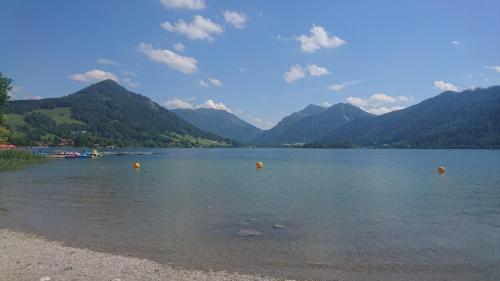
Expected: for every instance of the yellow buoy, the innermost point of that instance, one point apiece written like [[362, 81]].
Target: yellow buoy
[[441, 170], [137, 165], [259, 165]]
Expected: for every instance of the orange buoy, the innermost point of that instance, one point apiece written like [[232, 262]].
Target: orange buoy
[[137, 165], [259, 165], [441, 170]]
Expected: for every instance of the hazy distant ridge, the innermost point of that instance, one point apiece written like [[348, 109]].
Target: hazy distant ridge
[[220, 122]]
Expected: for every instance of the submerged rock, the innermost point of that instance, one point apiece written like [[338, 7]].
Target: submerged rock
[[248, 233], [247, 221], [278, 226]]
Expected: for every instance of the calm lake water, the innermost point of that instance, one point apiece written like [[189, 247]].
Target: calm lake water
[[347, 214]]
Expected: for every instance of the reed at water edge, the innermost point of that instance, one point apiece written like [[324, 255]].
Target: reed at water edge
[[16, 159]]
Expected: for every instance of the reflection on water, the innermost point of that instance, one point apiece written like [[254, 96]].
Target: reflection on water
[[315, 214]]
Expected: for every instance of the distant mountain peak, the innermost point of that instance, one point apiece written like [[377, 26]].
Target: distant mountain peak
[[311, 123], [344, 106], [107, 83], [312, 109], [106, 87]]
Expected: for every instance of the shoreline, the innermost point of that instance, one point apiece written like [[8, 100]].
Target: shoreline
[[29, 257]]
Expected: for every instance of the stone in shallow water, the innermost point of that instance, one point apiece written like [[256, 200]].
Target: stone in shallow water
[[247, 221], [248, 233], [278, 226]]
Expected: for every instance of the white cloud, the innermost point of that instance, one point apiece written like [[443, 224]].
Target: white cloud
[[282, 38], [14, 92], [105, 61], [202, 83], [318, 39], [184, 4], [359, 102], [343, 85], [179, 47], [296, 72], [175, 61], [214, 105], [210, 81], [441, 85], [315, 70], [19, 93], [326, 104], [494, 68], [383, 109], [383, 98], [129, 73], [200, 28], [456, 43], [131, 83], [235, 19], [95, 75], [215, 82], [380, 103], [336, 87], [242, 69], [177, 103]]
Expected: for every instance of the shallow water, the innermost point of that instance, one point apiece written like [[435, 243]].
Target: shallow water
[[347, 214]]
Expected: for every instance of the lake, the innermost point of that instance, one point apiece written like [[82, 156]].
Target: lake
[[350, 214]]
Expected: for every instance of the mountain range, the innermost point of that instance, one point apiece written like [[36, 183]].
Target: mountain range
[[468, 119], [103, 113], [108, 114], [311, 124]]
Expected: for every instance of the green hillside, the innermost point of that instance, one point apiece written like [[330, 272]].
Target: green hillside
[[469, 119], [106, 114]]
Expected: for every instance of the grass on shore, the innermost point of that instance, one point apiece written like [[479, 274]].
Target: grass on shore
[[15, 159]]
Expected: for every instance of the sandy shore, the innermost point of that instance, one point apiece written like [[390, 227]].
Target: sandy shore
[[27, 257]]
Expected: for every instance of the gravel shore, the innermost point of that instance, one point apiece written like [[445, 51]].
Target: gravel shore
[[27, 257]]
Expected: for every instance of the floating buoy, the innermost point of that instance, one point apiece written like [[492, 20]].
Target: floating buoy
[[259, 165], [441, 170], [137, 165]]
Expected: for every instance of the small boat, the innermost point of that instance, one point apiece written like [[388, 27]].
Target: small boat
[[96, 153], [7, 146], [87, 153], [56, 155], [71, 154]]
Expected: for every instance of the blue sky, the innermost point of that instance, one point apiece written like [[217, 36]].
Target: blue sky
[[261, 60]]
